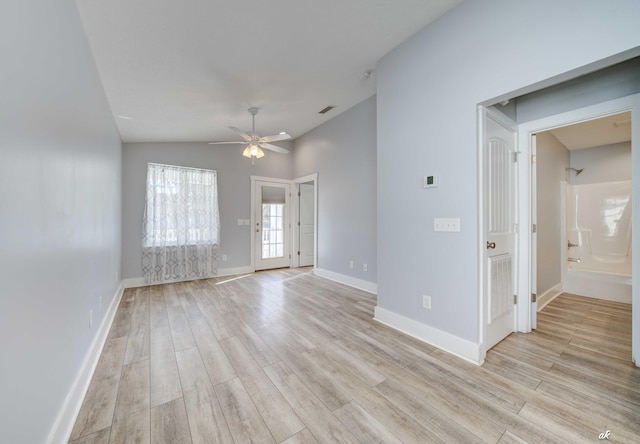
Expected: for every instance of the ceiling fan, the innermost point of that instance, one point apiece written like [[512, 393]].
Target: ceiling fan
[[255, 142]]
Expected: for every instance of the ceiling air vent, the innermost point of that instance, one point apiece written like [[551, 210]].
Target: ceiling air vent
[[326, 110]]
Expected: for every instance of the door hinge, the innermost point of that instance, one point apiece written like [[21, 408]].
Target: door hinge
[[298, 193], [534, 297], [298, 223], [298, 253], [534, 228], [515, 298], [515, 156], [515, 228], [533, 158]]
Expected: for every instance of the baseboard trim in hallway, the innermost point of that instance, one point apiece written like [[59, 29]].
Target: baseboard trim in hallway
[[61, 430]]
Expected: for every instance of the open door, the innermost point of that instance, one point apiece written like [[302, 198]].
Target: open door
[[499, 155], [306, 221], [271, 225]]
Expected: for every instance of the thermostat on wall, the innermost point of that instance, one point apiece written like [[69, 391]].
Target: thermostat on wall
[[430, 181]]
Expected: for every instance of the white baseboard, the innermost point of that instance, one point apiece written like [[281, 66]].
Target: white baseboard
[[549, 296], [139, 281], [467, 350], [62, 428], [360, 284]]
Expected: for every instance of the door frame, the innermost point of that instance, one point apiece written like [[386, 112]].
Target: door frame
[[255, 220], [631, 103], [295, 262], [292, 215], [503, 120]]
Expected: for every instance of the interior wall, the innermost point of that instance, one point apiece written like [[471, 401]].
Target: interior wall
[[552, 159], [234, 193], [343, 153], [60, 200], [613, 82], [428, 91], [609, 163]]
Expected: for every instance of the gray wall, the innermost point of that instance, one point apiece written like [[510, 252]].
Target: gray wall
[[552, 158], [610, 163], [620, 80], [428, 92], [343, 153], [234, 193], [59, 211]]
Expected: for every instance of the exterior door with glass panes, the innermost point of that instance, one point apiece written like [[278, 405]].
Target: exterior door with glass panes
[[271, 225]]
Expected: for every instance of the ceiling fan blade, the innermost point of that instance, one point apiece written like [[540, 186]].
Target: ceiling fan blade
[[274, 138], [242, 134], [275, 148], [225, 143]]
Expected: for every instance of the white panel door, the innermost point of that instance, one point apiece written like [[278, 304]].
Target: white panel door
[[499, 153], [306, 218], [272, 225]]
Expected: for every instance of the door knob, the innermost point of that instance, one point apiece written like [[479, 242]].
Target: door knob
[[491, 245]]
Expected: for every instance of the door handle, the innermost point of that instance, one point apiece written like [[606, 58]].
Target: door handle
[[491, 245]]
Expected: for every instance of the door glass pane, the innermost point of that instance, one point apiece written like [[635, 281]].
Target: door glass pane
[[272, 230]]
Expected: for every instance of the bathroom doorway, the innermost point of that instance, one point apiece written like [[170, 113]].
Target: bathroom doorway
[[583, 184], [578, 168]]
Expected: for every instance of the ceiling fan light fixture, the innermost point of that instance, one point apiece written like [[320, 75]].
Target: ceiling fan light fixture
[[253, 151]]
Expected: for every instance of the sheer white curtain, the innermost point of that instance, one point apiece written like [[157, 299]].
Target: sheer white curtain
[[181, 225]]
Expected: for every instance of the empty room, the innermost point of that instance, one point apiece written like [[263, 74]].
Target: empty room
[[337, 221]]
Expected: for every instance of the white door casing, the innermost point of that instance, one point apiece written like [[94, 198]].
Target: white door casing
[[499, 262], [533, 276]]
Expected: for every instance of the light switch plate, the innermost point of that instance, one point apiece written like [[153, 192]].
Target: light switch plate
[[450, 224]]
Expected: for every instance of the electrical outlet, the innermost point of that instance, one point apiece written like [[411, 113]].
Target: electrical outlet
[[364, 267], [350, 264], [426, 302]]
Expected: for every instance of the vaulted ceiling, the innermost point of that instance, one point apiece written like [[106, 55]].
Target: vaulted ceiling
[[186, 70]]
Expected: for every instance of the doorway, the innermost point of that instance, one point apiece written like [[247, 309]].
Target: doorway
[[271, 222], [526, 318]]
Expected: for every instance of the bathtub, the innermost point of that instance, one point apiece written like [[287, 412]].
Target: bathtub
[[598, 241]]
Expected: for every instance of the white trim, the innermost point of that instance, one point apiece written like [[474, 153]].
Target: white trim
[[139, 281], [549, 296], [62, 428], [360, 284], [467, 350]]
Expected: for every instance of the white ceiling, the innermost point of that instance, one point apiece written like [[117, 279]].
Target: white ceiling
[[186, 70], [598, 132]]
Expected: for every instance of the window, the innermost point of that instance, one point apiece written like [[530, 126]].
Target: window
[[272, 230], [181, 226]]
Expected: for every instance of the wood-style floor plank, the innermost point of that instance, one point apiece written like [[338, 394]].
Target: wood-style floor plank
[[99, 403], [169, 423], [284, 356]]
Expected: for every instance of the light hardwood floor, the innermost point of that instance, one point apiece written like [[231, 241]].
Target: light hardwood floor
[[285, 356]]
